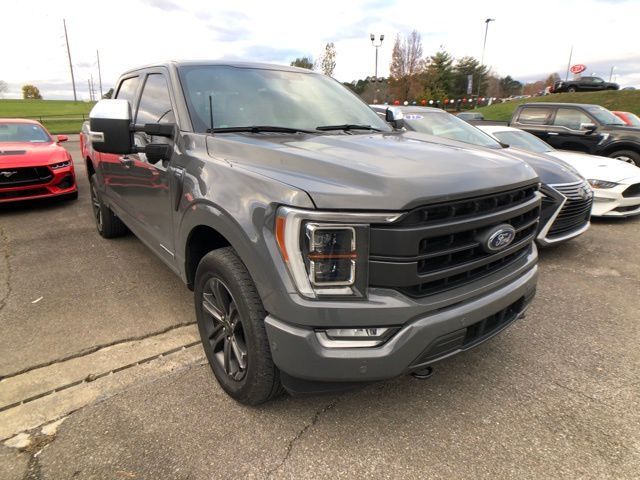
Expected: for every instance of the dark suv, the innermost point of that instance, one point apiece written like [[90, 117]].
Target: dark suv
[[584, 84], [584, 128]]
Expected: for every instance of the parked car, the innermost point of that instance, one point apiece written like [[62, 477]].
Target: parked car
[[628, 118], [616, 184], [33, 165], [583, 84], [580, 127], [466, 116], [323, 248], [560, 219]]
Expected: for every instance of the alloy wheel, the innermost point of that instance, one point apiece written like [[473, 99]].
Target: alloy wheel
[[224, 329], [95, 205]]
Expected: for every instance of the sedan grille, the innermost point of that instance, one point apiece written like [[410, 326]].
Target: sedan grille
[[439, 247], [23, 177], [575, 212]]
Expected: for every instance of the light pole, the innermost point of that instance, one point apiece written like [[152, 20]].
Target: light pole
[[376, 46], [484, 46], [611, 73]]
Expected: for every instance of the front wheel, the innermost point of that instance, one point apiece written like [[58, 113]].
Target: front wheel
[[230, 318], [571, 90], [628, 156]]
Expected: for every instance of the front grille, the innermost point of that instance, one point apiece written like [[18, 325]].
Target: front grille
[[575, 212], [22, 177], [436, 248], [29, 192], [472, 335], [632, 191]]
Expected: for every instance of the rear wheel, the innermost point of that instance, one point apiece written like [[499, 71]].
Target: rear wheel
[[230, 318], [628, 156], [108, 225]]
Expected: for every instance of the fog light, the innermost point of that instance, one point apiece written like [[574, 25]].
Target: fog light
[[354, 337]]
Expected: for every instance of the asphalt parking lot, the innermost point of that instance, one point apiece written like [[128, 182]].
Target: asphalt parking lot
[[109, 329]]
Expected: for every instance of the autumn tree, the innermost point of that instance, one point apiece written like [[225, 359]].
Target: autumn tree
[[303, 62], [31, 92], [407, 65], [4, 88], [551, 79], [328, 60]]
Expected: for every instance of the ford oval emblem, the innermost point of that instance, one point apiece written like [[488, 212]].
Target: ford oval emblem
[[499, 237]]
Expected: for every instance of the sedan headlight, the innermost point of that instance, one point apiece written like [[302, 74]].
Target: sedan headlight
[[55, 166], [327, 253], [601, 183]]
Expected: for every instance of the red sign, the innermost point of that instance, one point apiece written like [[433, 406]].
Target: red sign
[[579, 68]]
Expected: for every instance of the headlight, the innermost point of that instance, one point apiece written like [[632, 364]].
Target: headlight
[[60, 165], [601, 183], [327, 253]]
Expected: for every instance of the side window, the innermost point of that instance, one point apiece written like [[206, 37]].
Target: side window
[[155, 103], [570, 118], [127, 90], [534, 115]]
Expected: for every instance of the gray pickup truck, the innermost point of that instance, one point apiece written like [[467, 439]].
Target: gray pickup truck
[[324, 248]]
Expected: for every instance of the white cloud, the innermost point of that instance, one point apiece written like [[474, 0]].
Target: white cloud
[[525, 41]]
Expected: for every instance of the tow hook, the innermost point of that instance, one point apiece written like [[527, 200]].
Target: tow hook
[[423, 373]]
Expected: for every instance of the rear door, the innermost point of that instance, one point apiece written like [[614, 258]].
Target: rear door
[[535, 120]]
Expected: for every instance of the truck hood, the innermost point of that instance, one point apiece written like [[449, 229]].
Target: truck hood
[[378, 171], [599, 168], [27, 154]]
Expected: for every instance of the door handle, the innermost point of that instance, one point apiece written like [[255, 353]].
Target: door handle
[[127, 162]]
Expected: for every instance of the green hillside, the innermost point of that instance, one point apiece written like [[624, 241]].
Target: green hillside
[[626, 100], [59, 116]]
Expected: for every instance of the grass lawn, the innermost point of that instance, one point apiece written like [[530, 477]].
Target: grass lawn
[[59, 116], [625, 100]]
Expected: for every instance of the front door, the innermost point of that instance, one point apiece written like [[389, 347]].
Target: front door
[[567, 132], [145, 189]]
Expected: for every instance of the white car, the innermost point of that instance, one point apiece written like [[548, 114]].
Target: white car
[[616, 184]]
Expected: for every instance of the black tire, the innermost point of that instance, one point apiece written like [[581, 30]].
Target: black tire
[[107, 224], [628, 156], [230, 318], [572, 90]]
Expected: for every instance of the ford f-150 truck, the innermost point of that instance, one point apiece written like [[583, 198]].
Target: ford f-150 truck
[[324, 249]]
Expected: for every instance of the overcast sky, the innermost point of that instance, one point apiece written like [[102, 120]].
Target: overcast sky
[[528, 40]]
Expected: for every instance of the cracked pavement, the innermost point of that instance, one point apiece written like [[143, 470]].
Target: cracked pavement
[[557, 395]]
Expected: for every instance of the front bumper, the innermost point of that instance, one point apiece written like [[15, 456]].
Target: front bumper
[[610, 202], [63, 182], [297, 352]]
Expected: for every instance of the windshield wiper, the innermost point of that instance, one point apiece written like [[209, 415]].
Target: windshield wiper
[[258, 129], [347, 126]]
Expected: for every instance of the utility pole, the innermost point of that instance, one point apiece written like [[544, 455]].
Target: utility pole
[[93, 88], [73, 80], [611, 73], [377, 46], [90, 92], [566, 78], [99, 72], [484, 46]]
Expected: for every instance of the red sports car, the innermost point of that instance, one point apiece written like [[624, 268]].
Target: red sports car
[[629, 118], [32, 164]]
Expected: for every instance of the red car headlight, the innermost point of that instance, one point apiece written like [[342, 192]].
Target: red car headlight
[[56, 166]]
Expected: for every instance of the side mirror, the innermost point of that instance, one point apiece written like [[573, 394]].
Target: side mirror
[[588, 127], [110, 127], [62, 138], [392, 115]]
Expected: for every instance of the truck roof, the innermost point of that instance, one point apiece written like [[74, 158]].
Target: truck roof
[[557, 104], [226, 63]]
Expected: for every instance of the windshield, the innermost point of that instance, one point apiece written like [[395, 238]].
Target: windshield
[[603, 115], [23, 132], [523, 140], [243, 97], [442, 124]]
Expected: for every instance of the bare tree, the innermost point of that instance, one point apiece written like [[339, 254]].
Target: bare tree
[[4, 88], [407, 64], [328, 61]]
